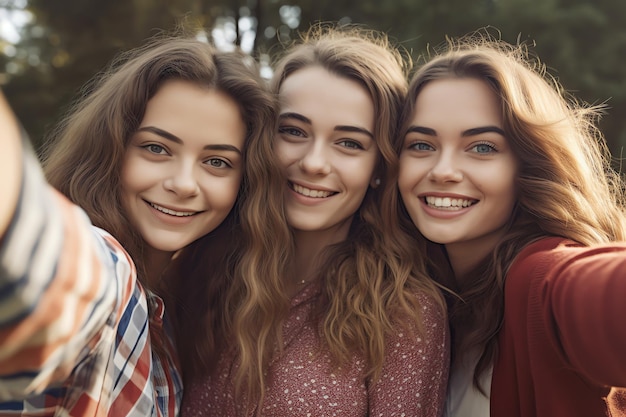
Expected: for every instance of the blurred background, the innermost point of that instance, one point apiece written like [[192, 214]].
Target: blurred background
[[49, 49]]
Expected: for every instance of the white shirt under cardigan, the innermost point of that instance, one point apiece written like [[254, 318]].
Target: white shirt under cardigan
[[464, 399]]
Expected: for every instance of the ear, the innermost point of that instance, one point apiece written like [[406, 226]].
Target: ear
[[375, 182]]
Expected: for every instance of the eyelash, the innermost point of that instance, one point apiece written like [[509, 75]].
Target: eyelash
[[414, 146], [149, 147], [294, 131], [222, 161], [351, 144], [491, 146], [290, 130]]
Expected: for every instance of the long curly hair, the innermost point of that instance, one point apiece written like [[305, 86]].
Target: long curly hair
[[367, 286], [84, 155], [565, 183]]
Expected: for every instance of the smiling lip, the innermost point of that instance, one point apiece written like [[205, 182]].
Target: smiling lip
[[448, 203], [446, 206], [310, 192], [172, 212]]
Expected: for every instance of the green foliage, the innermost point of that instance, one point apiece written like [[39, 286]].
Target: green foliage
[[74, 40], [583, 42]]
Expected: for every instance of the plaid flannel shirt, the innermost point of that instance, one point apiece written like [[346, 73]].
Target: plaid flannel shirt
[[74, 322]]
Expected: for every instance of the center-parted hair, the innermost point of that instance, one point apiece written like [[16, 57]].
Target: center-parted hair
[[367, 287], [565, 182]]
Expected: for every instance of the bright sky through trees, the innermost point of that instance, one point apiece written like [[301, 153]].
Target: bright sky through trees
[[11, 20]]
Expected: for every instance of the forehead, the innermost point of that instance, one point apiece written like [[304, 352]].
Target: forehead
[[322, 95], [466, 101], [196, 114]]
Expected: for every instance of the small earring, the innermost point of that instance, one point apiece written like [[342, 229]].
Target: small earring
[[377, 181]]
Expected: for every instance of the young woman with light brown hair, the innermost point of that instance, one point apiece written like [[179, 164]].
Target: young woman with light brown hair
[[509, 179], [169, 155], [349, 326]]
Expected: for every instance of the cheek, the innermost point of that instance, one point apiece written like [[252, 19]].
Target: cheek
[[224, 192], [130, 185], [359, 173], [126, 174], [408, 175], [137, 174], [511, 198], [402, 180], [503, 195], [502, 183], [285, 154], [406, 195]]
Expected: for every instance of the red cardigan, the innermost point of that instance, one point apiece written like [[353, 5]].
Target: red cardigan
[[563, 341]]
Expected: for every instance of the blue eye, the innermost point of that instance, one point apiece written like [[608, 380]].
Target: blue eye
[[155, 149], [484, 148], [350, 144], [217, 163], [290, 130], [421, 146]]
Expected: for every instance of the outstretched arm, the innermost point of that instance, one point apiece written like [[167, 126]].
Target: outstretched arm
[[573, 296], [10, 164], [60, 280]]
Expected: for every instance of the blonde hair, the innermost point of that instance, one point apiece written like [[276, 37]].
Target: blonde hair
[[367, 288], [565, 184]]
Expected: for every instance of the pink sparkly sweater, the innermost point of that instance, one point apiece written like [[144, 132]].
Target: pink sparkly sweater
[[301, 382]]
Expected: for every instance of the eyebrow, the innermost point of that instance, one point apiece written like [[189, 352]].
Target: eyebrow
[[169, 136], [469, 132], [338, 128]]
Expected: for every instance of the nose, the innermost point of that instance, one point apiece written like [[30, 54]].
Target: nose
[[182, 181], [315, 160], [445, 169]]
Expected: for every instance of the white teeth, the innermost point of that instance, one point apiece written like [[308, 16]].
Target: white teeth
[[448, 203], [310, 193], [172, 212]]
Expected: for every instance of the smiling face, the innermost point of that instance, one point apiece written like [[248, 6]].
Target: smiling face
[[457, 171], [326, 145], [182, 168]]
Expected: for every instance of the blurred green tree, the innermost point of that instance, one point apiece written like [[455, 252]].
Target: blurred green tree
[[581, 41]]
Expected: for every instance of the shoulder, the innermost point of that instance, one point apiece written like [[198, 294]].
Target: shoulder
[[556, 264], [432, 306], [557, 252], [427, 316], [112, 246]]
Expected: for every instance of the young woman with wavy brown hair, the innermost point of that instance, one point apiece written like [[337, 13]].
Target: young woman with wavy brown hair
[[510, 180], [349, 326], [169, 154]]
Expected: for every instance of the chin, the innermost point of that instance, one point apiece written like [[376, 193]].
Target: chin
[[169, 246], [439, 238]]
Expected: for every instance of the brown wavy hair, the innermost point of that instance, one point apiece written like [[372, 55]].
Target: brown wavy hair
[[367, 286], [565, 183], [84, 155]]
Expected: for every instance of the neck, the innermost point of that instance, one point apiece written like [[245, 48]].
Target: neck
[[466, 256], [155, 262], [309, 246], [462, 264]]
